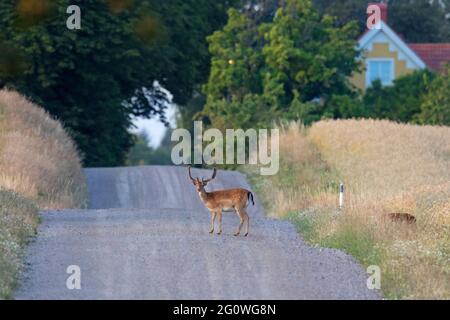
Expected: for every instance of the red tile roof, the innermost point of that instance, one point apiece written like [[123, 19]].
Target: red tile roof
[[435, 55]]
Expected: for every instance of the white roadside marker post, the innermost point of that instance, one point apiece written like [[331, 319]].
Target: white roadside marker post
[[341, 196]]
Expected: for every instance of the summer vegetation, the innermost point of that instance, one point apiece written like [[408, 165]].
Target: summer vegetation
[[295, 64], [289, 58], [387, 168], [290, 63], [143, 154], [96, 79], [234, 64], [39, 169]]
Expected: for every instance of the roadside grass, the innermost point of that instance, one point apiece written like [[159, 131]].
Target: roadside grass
[[18, 221], [386, 167], [39, 169]]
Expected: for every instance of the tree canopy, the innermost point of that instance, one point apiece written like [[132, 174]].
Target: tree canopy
[[259, 70], [259, 61], [435, 108], [414, 20], [95, 79]]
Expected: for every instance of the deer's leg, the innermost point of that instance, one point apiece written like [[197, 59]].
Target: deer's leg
[[213, 218], [241, 221], [248, 223], [219, 217]]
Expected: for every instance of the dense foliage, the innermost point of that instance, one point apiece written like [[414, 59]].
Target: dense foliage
[[260, 71], [414, 20], [271, 60], [143, 154], [296, 65], [95, 78], [421, 97], [400, 102], [435, 109]]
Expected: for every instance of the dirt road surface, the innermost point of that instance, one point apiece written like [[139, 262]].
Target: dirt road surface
[[145, 236]]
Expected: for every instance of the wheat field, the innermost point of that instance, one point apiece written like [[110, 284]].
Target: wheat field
[[386, 167]]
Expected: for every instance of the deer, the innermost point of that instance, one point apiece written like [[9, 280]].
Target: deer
[[224, 200], [402, 217]]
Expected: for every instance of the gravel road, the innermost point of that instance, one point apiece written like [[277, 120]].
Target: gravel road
[[145, 236]]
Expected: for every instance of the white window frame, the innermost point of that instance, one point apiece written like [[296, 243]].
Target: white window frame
[[392, 61]]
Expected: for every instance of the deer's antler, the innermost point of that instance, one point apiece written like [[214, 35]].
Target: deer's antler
[[190, 175], [213, 176]]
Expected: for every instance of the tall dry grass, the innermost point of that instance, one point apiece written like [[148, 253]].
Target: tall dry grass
[[39, 168], [37, 158], [386, 167]]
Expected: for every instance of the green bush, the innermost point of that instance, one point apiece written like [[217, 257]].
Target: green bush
[[400, 102], [435, 108]]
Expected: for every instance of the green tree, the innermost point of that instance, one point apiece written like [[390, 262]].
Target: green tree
[[235, 76], [96, 78], [259, 69], [189, 22], [420, 20], [307, 54], [344, 11], [401, 101], [236, 59], [346, 107], [414, 20], [307, 112], [143, 154], [435, 108]]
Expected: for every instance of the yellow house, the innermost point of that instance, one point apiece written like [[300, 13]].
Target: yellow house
[[385, 57]]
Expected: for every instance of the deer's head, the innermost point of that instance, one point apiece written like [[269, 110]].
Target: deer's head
[[201, 184]]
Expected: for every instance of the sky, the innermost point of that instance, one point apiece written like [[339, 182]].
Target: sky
[[154, 128]]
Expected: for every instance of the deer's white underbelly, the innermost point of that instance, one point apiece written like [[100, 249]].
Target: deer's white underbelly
[[222, 208]]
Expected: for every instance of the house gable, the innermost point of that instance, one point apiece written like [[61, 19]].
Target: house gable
[[383, 44], [384, 34]]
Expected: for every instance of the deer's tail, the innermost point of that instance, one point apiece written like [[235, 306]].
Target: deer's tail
[[250, 197]]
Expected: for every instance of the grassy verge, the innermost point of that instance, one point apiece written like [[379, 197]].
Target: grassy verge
[[360, 243], [18, 221], [386, 167], [39, 168]]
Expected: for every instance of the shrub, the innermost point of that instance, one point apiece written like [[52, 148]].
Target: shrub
[[435, 108]]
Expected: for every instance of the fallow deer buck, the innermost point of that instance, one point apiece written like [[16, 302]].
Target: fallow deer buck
[[224, 200]]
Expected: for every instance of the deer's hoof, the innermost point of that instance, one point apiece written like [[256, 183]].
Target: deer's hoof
[[211, 231], [246, 234], [219, 233], [236, 234]]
